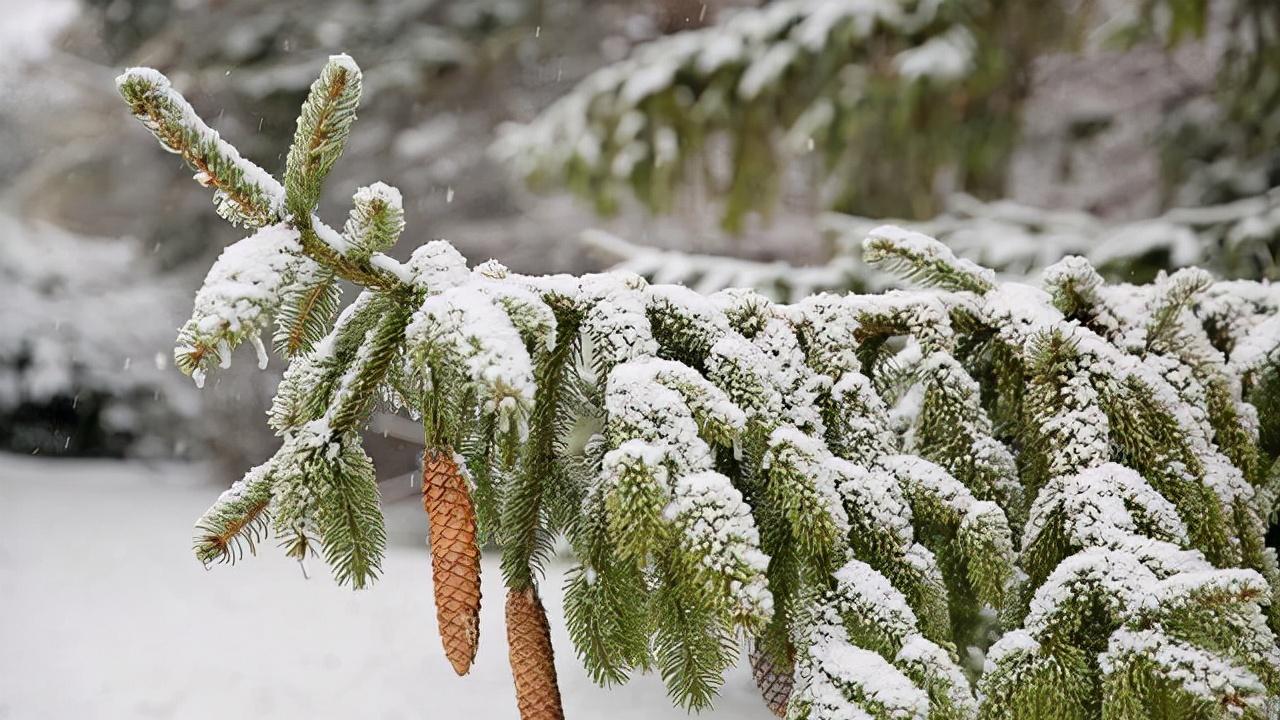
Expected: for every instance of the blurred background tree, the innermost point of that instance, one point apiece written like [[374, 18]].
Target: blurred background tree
[[902, 103]]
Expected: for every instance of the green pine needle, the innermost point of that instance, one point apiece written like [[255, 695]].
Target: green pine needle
[[307, 313], [349, 518], [237, 520], [323, 127]]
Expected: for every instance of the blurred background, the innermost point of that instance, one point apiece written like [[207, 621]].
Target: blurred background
[[1143, 134]]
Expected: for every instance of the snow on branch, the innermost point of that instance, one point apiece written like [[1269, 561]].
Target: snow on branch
[[323, 127], [244, 193], [241, 293], [1017, 241], [461, 327], [921, 258], [1057, 488], [706, 274]]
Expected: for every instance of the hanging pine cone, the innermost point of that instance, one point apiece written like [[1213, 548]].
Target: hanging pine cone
[[455, 557], [775, 683], [532, 660]]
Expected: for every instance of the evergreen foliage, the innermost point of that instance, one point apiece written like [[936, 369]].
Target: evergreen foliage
[[979, 499]]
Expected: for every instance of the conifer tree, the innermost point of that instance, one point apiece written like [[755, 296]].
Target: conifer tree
[[974, 499], [889, 99]]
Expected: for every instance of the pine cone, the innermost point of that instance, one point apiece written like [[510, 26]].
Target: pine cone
[[774, 683], [455, 557], [532, 660]]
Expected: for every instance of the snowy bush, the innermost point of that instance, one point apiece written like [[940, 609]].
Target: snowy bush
[[977, 499], [75, 373]]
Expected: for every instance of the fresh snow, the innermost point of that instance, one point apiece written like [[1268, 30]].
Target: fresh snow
[[945, 57], [242, 289], [462, 325]]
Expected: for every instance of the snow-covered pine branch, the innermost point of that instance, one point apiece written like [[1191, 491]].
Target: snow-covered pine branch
[[244, 193], [981, 499]]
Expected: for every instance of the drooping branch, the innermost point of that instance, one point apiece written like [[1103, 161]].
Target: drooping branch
[[839, 479]]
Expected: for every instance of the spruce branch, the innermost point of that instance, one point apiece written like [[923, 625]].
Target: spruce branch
[[306, 312], [323, 127], [636, 493], [327, 247], [242, 291], [238, 518], [1173, 296], [954, 431], [521, 508], [863, 609], [606, 610], [608, 623], [376, 219], [834, 479], [356, 391], [244, 193], [1147, 669], [307, 388], [324, 493], [489, 459], [918, 257], [691, 647], [772, 83], [460, 331], [1080, 293], [349, 517], [802, 482]]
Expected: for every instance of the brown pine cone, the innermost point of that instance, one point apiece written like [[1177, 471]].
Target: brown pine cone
[[455, 557], [775, 683], [532, 660]]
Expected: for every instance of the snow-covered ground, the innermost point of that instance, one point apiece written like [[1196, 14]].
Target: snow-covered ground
[[104, 614]]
